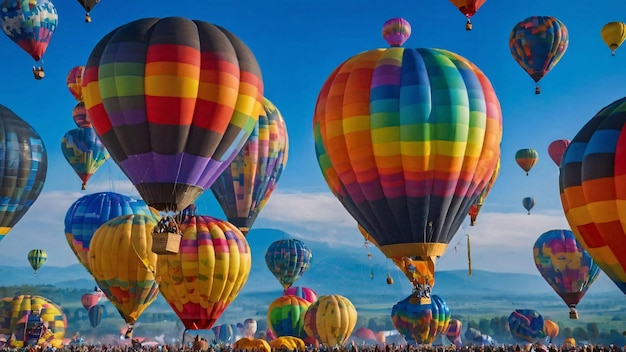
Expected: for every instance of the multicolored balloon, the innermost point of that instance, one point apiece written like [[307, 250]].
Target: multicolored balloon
[[528, 203], [410, 209], [243, 188], [88, 5], [526, 325], [46, 312], [80, 117], [74, 81], [172, 134], [83, 150], [613, 34], [37, 258], [526, 159], [538, 44], [288, 260], [302, 292], [226, 333], [206, 275], [591, 188], [556, 149], [565, 265], [478, 203], [396, 31], [331, 319], [420, 322], [24, 163], [454, 332], [89, 212], [30, 24], [285, 316], [123, 264], [468, 8], [6, 309]]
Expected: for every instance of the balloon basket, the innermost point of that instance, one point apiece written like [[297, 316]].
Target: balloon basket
[[573, 314], [38, 73], [165, 242]]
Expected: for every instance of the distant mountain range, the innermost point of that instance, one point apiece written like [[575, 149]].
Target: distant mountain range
[[333, 270]]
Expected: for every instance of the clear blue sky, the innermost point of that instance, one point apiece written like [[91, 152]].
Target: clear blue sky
[[298, 44]]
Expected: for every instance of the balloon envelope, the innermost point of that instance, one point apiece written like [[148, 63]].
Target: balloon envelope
[[285, 316], [36, 258], [420, 322], [195, 95], [24, 163], [206, 275], [556, 149], [331, 319], [591, 188], [288, 260], [84, 152], [74, 81], [613, 34], [392, 191], [302, 292], [565, 265], [122, 263], [526, 158], [526, 325], [245, 186], [30, 24]]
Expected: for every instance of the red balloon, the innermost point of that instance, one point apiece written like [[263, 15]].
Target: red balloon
[[556, 149]]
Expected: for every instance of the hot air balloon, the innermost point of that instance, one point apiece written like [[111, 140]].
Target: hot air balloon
[[90, 299], [366, 334], [226, 333], [478, 203], [36, 258], [196, 95], [556, 149], [249, 328], [88, 5], [96, 314], [207, 274], [483, 340], [6, 309], [74, 81], [396, 31], [526, 159], [613, 34], [550, 329], [285, 316], [468, 8], [330, 319], [565, 265], [288, 260], [591, 190], [302, 292], [89, 212], [526, 325], [24, 164], [537, 44], [123, 265], [420, 322], [243, 188], [410, 201], [41, 312], [569, 342], [83, 150], [454, 332], [79, 115], [528, 203], [30, 24]]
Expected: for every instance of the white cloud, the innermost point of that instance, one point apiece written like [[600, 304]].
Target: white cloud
[[500, 242]]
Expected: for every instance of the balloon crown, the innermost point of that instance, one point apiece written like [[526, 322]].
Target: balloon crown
[[396, 31]]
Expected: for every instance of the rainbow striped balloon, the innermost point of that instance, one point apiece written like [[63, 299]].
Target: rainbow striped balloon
[[591, 182], [407, 139], [243, 188], [420, 322], [207, 274], [174, 104]]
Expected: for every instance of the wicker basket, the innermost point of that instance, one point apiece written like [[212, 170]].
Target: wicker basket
[[165, 242]]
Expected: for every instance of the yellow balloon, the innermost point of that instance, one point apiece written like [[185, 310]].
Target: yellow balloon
[[613, 34], [24, 308], [207, 274], [123, 264], [330, 319]]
